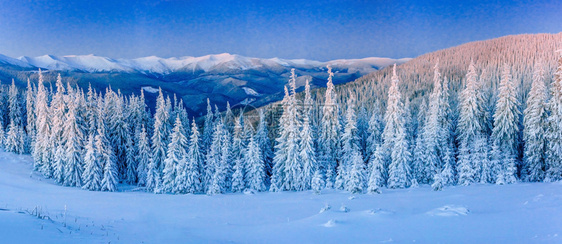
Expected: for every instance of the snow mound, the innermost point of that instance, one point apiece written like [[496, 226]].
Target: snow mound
[[378, 211], [449, 211], [331, 223], [325, 208]]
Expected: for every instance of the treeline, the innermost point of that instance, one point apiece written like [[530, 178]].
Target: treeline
[[98, 140]]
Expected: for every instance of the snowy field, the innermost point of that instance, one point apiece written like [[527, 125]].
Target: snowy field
[[32, 210]]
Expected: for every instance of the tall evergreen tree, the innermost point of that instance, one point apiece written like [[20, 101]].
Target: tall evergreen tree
[[506, 129], [93, 171], [143, 156], [287, 165], [106, 157], [189, 177], [469, 128], [356, 179], [255, 166], [58, 106], [175, 157], [554, 130], [395, 138], [208, 127], [306, 147], [262, 139], [535, 125], [73, 136], [329, 133], [349, 145], [161, 132]]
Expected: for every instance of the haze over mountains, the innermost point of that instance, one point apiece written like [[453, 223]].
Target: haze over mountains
[[222, 77]]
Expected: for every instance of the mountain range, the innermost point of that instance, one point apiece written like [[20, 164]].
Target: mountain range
[[222, 77]]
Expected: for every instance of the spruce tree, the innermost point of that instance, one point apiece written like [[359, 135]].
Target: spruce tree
[[349, 145], [189, 178], [535, 125], [554, 130], [107, 158], [469, 128], [329, 134], [395, 138], [73, 136], [161, 132], [93, 171], [143, 156], [255, 166], [262, 139], [356, 180], [237, 151], [376, 170], [506, 129], [175, 157]]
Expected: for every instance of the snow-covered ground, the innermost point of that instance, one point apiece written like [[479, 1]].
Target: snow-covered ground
[[35, 210]]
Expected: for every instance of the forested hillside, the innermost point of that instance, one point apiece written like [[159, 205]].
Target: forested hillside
[[484, 112]]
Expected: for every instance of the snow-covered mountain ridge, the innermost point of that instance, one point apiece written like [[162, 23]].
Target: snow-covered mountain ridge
[[222, 77], [208, 63]]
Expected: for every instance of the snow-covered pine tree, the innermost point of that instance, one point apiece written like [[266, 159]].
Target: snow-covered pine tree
[[220, 161], [554, 130], [356, 179], [14, 104], [119, 129], [93, 172], [535, 125], [30, 127], [376, 170], [106, 157], [13, 140], [262, 139], [3, 136], [131, 161], [469, 128], [73, 137], [237, 151], [42, 151], [307, 154], [481, 156], [175, 157], [91, 110], [349, 145], [317, 182], [255, 166], [213, 155], [189, 178], [395, 138], [58, 107], [161, 132], [329, 134], [362, 129], [208, 128], [143, 156], [287, 165], [374, 131], [506, 128]]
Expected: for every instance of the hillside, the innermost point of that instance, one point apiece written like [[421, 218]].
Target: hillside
[[520, 52]]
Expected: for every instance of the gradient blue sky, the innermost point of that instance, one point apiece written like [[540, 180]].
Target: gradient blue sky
[[320, 30]]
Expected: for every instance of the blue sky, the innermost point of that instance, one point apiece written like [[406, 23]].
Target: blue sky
[[321, 30]]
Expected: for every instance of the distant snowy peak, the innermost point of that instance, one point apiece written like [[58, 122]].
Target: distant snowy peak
[[217, 62]]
